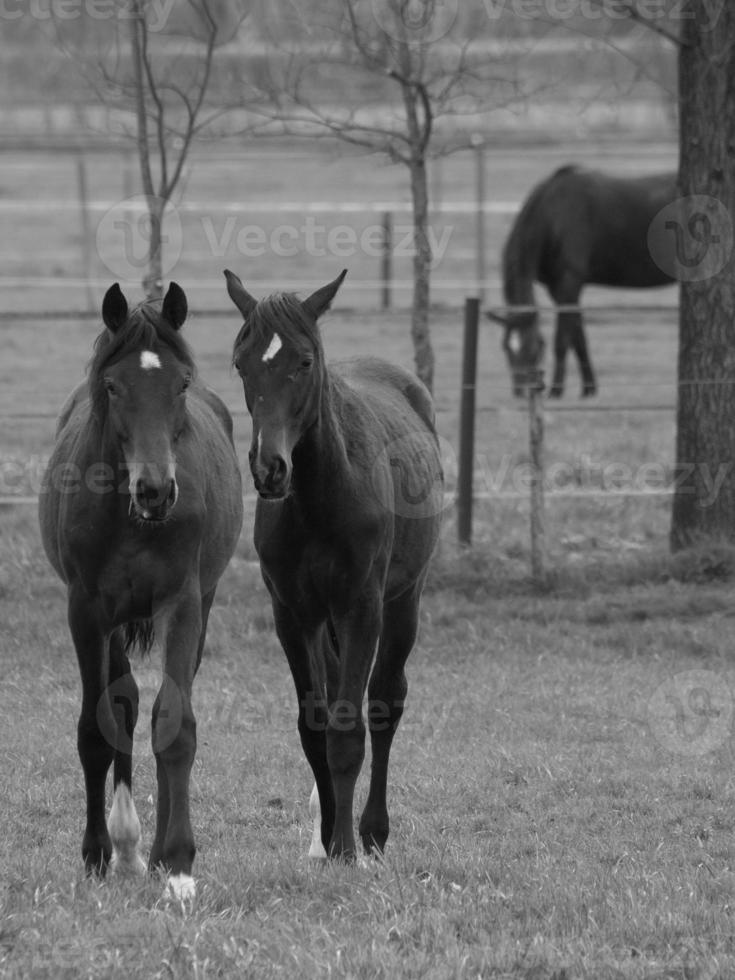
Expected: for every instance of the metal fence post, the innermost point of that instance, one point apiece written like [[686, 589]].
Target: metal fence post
[[467, 420]]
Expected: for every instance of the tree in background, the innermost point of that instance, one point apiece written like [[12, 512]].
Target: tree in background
[[152, 62], [704, 499], [415, 69]]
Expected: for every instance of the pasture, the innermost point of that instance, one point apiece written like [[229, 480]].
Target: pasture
[[561, 786]]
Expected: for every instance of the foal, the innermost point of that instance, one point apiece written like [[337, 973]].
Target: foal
[[346, 463], [140, 513]]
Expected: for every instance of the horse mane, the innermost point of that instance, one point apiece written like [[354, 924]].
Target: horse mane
[[145, 329], [282, 312]]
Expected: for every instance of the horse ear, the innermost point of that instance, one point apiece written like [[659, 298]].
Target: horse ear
[[239, 294], [114, 308], [320, 301], [175, 307]]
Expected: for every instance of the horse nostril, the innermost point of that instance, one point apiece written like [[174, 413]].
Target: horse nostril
[[278, 470]]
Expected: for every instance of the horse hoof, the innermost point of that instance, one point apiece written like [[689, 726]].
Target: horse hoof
[[589, 391], [555, 392], [180, 888], [124, 828]]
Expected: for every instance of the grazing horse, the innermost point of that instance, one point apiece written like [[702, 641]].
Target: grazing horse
[[580, 226], [140, 513], [346, 463]]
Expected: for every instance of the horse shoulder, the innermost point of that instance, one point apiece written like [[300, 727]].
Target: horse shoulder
[[217, 407]]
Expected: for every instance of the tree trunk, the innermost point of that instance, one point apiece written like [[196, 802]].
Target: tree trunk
[[423, 351], [704, 499], [153, 279]]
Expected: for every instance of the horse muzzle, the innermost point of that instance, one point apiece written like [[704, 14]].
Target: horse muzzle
[[151, 501], [272, 481]]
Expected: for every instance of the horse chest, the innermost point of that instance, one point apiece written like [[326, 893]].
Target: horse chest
[[129, 572], [310, 576]]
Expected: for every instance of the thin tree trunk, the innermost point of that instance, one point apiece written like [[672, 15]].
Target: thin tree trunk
[[704, 500], [423, 351], [153, 279]]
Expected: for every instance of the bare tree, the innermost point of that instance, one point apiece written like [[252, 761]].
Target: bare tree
[[153, 63], [411, 75]]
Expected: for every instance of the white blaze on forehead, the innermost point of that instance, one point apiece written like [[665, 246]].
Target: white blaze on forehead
[[273, 348], [149, 360]]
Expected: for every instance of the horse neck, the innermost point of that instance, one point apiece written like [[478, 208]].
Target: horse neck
[[320, 456], [517, 283]]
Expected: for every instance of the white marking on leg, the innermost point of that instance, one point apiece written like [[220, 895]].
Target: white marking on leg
[[148, 360], [273, 348], [316, 850], [182, 888], [124, 828]]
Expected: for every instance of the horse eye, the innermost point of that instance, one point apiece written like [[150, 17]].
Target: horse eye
[[307, 362], [110, 386], [186, 383]]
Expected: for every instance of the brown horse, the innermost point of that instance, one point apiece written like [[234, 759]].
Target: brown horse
[[140, 513], [580, 226], [346, 463]]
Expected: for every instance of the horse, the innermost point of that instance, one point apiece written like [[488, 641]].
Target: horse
[[140, 512], [345, 460], [580, 226]]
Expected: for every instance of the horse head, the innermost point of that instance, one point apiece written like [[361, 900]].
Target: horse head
[[139, 377], [279, 357], [523, 345]]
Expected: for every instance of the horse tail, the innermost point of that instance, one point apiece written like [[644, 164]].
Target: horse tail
[[139, 634], [124, 829]]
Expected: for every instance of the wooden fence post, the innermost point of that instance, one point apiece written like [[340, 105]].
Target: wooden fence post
[[480, 220], [536, 442], [86, 231], [386, 261], [467, 420]]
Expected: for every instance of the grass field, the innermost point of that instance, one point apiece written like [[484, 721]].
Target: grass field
[[561, 789]]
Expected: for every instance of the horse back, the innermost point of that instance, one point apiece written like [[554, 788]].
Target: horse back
[[593, 227], [390, 391]]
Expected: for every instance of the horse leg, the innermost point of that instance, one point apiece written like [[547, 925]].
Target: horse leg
[[123, 823], [386, 697], [357, 637], [174, 745], [561, 346], [95, 729], [579, 344], [570, 333], [163, 804], [312, 718]]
